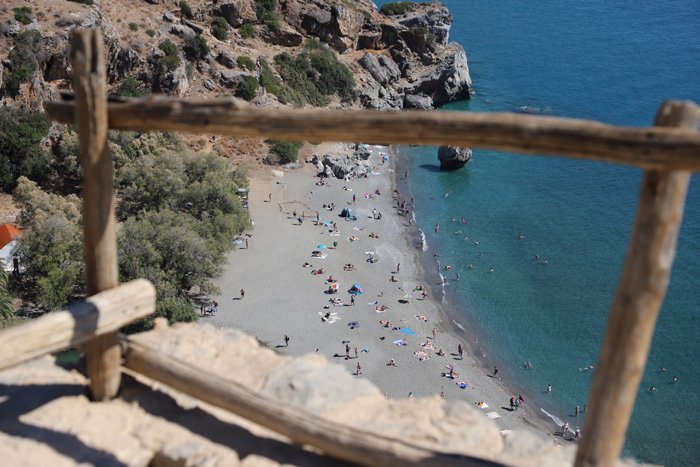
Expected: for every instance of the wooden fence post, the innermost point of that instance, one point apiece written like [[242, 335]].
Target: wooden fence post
[[636, 305], [100, 244]]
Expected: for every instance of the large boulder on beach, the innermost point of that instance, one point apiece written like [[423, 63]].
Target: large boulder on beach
[[453, 157], [342, 164]]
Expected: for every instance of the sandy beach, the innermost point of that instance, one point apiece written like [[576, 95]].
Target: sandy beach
[[284, 298]]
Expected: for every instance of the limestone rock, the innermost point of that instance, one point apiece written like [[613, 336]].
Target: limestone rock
[[453, 157], [227, 58], [344, 164], [382, 69], [236, 13], [182, 31], [417, 101], [122, 62], [449, 80], [436, 18], [284, 36], [195, 27], [168, 18], [304, 382], [232, 79]]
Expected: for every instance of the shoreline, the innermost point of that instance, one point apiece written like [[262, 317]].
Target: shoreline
[[284, 298], [459, 325]]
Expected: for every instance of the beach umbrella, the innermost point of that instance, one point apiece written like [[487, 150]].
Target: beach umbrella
[[407, 297], [321, 247], [335, 286]]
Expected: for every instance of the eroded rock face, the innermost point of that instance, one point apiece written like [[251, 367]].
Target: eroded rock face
[[232, 79], [336, 25], [238, 12], [449, 80], [453, 157], [227, 58], [284, 36], [382, 69], [418, 101], [436, 18]]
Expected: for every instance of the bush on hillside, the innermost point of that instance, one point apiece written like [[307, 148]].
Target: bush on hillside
[[20, 151], [129, 87], [171, 60], [197, 47], [247, 90], [265, 11], [151, 32], [245, 62], [397, 8], [219, 28], [288, 151], [134, 27], [247, 31], [185, 10], [23, 60], [22, 14]]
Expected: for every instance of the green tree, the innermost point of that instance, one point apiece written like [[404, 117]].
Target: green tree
[[23, 60], [245, 62], [20, 150], [129, 87], [265, 11], [247, 90], [288, 151], [219, 28], [22, 14], [185, 10], [197, 47], [7, 308], [51, 246], [171, 60], [247, 31]]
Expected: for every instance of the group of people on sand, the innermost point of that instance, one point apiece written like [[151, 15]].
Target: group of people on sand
[[208, 310]]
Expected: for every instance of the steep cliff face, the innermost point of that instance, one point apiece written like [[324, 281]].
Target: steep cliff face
[[397, 62]]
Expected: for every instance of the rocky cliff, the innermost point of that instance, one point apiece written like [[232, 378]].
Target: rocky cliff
[[396, 62]]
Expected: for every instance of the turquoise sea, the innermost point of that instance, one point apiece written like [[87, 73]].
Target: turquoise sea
[[615, 62]]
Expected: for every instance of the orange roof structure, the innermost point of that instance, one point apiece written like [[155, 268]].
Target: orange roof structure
[[7, 234]]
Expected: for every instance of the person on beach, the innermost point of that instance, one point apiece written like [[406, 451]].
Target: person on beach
[[246, 243], [392, 362], [286, 340], [352, 303], [495, 372], [242, 294], [347, 351], [425, 294], [359, 369], [460, 351], [353, 199], [398, 268], [355, 352], [201, 311], [434, 333], [270, 197]]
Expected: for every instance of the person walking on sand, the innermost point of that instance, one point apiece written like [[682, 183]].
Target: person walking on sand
[[359, 369], [398, 268], [434, 333], [242, 294], [352, 300], [355, 352], [347, 351], [460, 350], [270, 197], [246, 243], [495, 372], [286, 340]]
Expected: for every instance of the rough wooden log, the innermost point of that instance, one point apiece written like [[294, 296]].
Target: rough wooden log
[[636, 305], [303, 428], [99, 223], [670, 148], [99, 315]]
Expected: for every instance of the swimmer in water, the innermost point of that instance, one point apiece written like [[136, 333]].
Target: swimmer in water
[[476, 242]]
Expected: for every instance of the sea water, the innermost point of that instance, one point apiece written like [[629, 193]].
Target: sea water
[[613, 62]]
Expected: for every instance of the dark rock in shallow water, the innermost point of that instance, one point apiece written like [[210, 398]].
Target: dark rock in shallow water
[[453, 157]]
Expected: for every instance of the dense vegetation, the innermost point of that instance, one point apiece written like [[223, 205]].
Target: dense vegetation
[[179, 214], [245, 62], [129, 87], [399, 8], [22, 14], [313, 76], [185, 10], [197, 47], [20, 150], [22, 60], [265, 11], [247, 31], [288, 151], [171, 60], [248, 89], [219, 28]]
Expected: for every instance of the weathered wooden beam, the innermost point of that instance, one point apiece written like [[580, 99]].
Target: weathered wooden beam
[[636, 305], [655, 147], [99, 315], [99, 222], [301, 427]]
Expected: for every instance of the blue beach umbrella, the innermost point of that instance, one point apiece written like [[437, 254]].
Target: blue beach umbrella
[[356, 290], [321, 247]]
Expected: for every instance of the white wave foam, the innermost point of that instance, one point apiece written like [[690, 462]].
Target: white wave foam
[[559, 422]]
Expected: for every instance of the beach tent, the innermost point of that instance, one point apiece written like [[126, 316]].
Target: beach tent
[[355, 290], [321, 247], [346, 212]]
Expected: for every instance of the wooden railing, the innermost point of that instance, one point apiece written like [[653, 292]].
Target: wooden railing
[[668, 152]]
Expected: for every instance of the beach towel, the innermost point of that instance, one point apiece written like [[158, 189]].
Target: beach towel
[[408, 331], [462, 384], [505, 432], [493, 415], [373, 303], [359, 228], [400, 342]]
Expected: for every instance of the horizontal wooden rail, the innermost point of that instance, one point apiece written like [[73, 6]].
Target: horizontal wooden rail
[[100, 314], [652, 147], [335, 440]]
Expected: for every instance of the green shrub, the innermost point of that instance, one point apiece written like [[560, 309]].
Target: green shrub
[[185, 10], [129, 87], [219, 28], [197, 47], [247, 31], [171, 60], [189, 70], [248, 88], [133, 26], [84, 2], [268, 79], [288, 151], [265, 11], [150, 32], [22, 14], [245, 62], [22, 60], [398, 8]]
